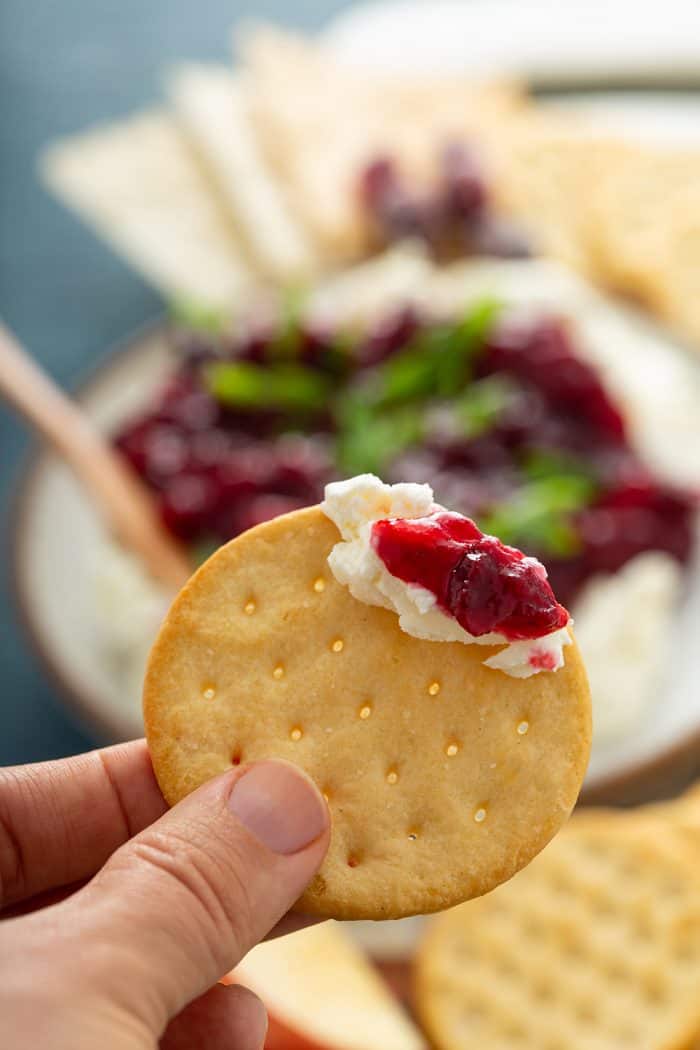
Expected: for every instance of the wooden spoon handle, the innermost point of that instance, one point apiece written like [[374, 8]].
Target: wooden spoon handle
[[123, 500]]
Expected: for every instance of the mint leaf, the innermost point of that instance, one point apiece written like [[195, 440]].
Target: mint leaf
[[242, 385]]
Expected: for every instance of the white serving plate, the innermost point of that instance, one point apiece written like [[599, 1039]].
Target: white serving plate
[[545, 41]]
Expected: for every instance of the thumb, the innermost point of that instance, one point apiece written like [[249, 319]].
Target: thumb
[[181, 903]]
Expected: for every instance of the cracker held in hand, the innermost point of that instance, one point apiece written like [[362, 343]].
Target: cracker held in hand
[[443, 775], [595, 947]]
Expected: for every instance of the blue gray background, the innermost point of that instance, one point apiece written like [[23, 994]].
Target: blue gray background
[[64, 65]]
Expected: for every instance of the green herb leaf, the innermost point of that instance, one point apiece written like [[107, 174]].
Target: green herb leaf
[[242, 385], [462, 344], [408, 375], [188, 313], [287, 341], [438, 360], [482, 404], [547, 463], [369, 441], [538, 516]]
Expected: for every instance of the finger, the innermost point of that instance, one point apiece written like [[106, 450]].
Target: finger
[[221, 1019], [42, 900], [180, 904], [60, 821]]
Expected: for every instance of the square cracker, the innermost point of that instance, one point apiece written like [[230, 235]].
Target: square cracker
[[211, 107], [443, 776], [137, 183], [646, 230]]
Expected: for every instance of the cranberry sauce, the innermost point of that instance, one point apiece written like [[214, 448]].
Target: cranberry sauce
[[454, 218], [483, 584], [511, 427]]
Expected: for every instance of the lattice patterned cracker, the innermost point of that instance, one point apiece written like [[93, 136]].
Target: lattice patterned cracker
[[138, 184], [443, 777], [596, 946]]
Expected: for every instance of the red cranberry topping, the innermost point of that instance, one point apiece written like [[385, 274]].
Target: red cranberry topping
[[379, 180], [217, 469], [464, 189], [483, 584], [540, 353], [490, 235], [542, 660], [187, 504], [453, 218], [387, 335], [262, 508]]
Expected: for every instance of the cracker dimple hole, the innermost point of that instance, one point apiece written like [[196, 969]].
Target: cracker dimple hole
[[480, 814], [249, 607], [319, 584], [392, 776], [522, 727], [236, 758], [365, 711], [278, 671], [296, 733], [433, 688], [353, 860], [451, 749], [208, 691], [326, 792], [412, 834], [337, 645]]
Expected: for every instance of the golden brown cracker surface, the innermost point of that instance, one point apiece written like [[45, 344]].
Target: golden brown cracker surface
[[443, 777]]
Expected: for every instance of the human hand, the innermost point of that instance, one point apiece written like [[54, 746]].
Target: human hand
[[129, 960]]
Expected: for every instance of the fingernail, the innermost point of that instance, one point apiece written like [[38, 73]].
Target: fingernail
[[279, 805]]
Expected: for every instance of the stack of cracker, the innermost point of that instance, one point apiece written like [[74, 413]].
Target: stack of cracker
[[595, 946], [251, 176]]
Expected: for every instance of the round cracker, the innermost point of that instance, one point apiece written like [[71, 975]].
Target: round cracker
[[597, 944], [443, 776]]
